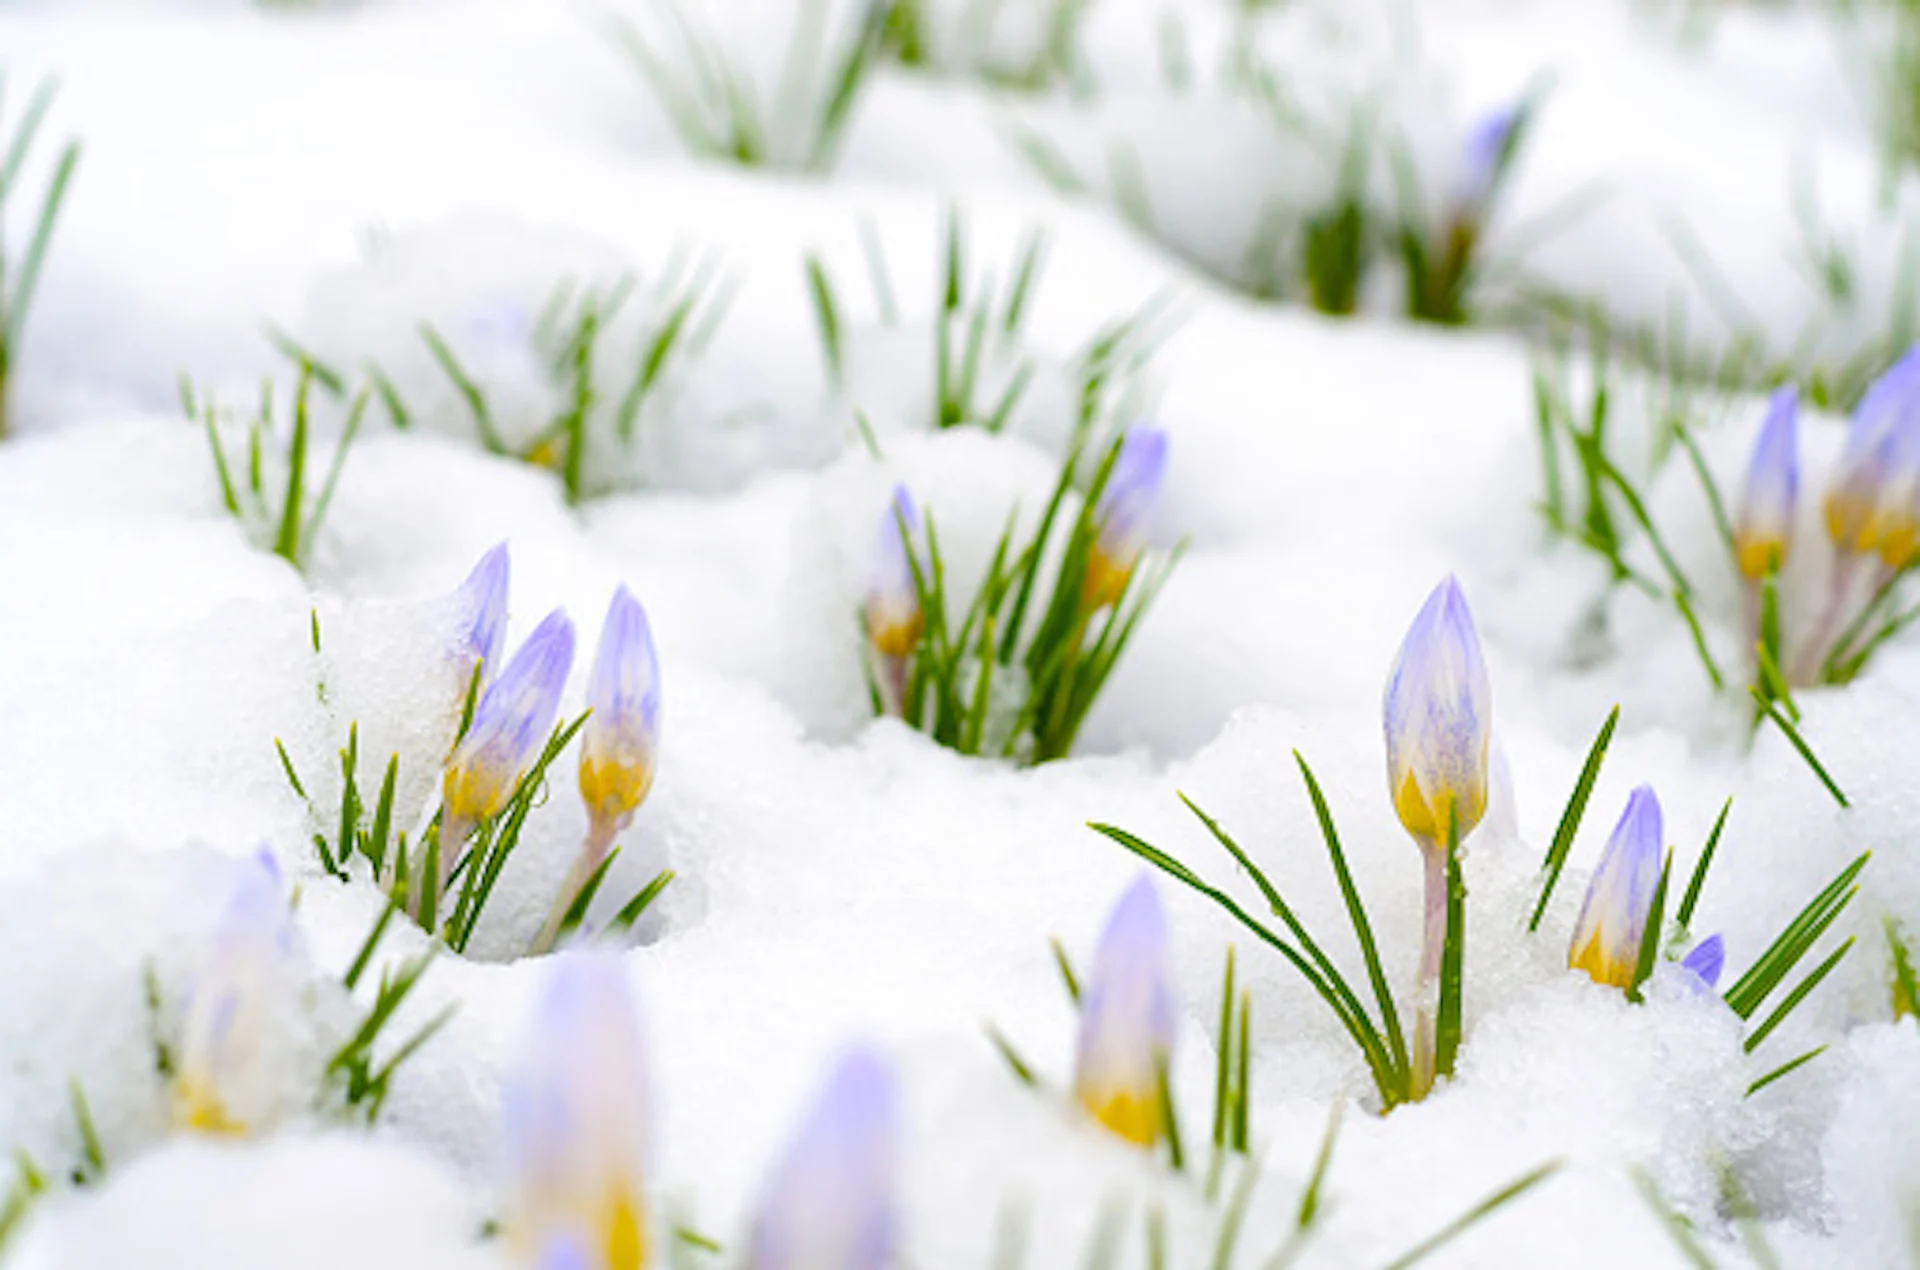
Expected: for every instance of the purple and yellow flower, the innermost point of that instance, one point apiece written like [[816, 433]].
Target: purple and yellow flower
[[829, 1204], [1764, 532], [892, 608], [1705, 962], [620, 743], [1121, 514], [1873, 504], [481, 604], [1439, 715], [509, 726], [1613, 920], [227, 1076], [1482, 160], [576, 1124], [1126, 1020]]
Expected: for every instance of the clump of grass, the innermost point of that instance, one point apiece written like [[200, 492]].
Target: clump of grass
[[1016, 671], [362, 835], [983, 366], [572, 339], [972, 44], [19, 278], [717, 108], [269, 477]]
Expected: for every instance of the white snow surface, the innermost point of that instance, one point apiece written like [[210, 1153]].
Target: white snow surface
[[345, 174]]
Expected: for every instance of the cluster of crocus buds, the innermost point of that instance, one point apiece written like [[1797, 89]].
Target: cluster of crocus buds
[[578, 1133], [1439, 726], [225, 1073], [576, 1124], [1121, 515], [516, 710], [891, 610], [1127, 1020], [1871, 509]]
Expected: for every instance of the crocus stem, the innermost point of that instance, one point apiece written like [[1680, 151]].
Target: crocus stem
[[1809, 665], [599, 841], [1431, 952], [1884, 579]]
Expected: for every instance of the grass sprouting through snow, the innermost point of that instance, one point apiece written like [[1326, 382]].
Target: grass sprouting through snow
[[268, 472], [983, 366], [19, 278], [1018, 673], [714, 103]]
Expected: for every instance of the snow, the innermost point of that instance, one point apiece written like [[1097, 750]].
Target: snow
[[345, 175]]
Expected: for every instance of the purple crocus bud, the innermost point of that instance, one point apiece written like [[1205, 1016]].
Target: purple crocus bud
[[1120, 516], [620, 742], [509, 726], [1705, 962], [226, 1080], [1764, 532], [576, 1124], [1126, 1019], [1613, 920], [892, 608], [830, 1202], [482, 610], [1439, 716]]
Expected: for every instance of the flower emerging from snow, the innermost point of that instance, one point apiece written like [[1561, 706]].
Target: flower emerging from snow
[[576, 1126], [1613, 920], [509, 726], [1765, 528], [482, 604], [1705, 962], [829, 1204], [1483, 159], [1120, 516], [893, 600], [892, 607], [1126, 1019], [226, 1076], [1438, 720], [620, 743], [1874, 501]]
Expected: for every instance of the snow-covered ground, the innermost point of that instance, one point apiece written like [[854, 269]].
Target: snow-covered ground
[[347, 174]]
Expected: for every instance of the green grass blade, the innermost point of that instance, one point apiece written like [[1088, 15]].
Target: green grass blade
[[1799, 743], [1474, 1216], [1576, 809], [642, 900], [1795, 997], [1692, 898], [1785, 1069]]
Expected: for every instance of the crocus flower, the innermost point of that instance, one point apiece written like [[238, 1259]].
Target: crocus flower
[[482, 612], [619, 745], [1439, 714], [1120, 516], [1606, 939], [620, 742], [1126, 1019], [829, 1204], [1871, 505], [1705, 962], [1482, 159], [226, 1076], [893, 600], [509, 726], [1764, 531], [575, 1122]]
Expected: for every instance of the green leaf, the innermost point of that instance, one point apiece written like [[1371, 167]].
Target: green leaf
[[1576, 809], [1684, 917], [1474, 1216], [1770, 711]]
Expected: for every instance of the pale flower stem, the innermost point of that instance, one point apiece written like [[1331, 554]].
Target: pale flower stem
[[1431, 952], [599, 841], [1806, 668]]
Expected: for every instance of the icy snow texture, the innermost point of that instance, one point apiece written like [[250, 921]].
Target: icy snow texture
[[841, 878]]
